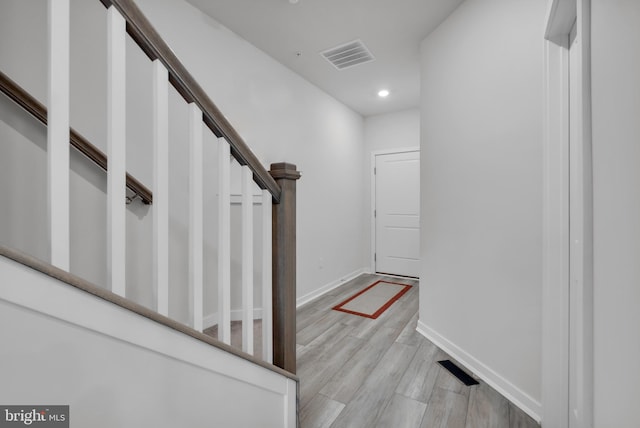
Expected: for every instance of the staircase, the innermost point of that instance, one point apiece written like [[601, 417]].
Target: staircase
[[118, 253]]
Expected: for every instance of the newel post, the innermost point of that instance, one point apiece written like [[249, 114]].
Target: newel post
[[284, 267]]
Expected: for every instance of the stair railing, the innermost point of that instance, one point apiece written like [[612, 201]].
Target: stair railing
[[278, 185]]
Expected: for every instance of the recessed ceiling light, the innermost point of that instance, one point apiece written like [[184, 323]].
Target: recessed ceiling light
[[383, 93], [293, 1]]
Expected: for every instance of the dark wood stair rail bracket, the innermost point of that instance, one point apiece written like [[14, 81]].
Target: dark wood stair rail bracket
[[32, 106], [284, 267]]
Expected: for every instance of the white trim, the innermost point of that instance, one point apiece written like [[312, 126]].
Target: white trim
[[393, 151], [58, 134], [372, 250], [561, 15], [328, 287], [557, 363], [116, 151], [290, 405], [196, 218], [555, 287], [581, 233], [247, 258], [224, 240], [236, 315], [267, 268], [161, 187], [512, 393]]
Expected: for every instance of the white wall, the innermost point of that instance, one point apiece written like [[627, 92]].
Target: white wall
[[391, 131], [616, 156], [397, 130], [115, 368], [281, 116], [481, 180]]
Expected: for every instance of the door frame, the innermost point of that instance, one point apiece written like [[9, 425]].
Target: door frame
[[567, 379], [375, 153]]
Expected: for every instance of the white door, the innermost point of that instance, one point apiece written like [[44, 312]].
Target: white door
[[397, 213]]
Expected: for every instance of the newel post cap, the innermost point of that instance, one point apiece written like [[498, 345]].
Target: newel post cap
[[284, 170]]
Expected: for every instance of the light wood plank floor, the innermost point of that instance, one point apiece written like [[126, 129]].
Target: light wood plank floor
[[357, 372]]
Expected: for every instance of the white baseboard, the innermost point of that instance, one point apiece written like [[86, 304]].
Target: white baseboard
[[236, 315], [328, 287], [512, 393]]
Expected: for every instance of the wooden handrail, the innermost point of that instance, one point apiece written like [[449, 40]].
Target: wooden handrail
[[21, 97], [148, 39]]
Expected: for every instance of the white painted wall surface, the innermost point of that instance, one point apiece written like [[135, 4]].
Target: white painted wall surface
[[481, 181], [615, 58], [397, 130], [23, 160], [115, 368], [281, 116]]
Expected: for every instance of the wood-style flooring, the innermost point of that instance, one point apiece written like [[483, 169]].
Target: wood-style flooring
[[358, 372]]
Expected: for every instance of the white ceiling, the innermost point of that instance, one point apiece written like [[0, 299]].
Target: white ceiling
[[295, 34]]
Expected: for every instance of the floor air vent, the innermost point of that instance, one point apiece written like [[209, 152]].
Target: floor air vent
[[458, 372], [348, 55]]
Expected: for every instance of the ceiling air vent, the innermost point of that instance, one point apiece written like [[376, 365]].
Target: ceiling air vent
[[348, 55]]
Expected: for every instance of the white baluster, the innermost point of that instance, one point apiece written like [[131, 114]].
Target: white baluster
[[161, 187], [267, 305], [116, 151], [58, 132], [224, 242], [195, 217], [247, 260]]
